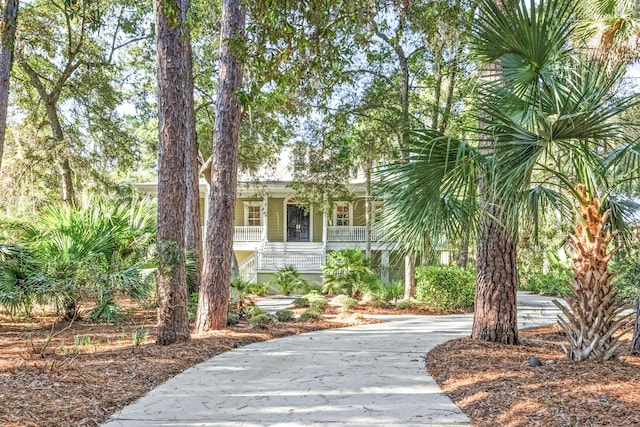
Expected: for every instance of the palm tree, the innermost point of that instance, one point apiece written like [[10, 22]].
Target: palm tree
[[548, 121]]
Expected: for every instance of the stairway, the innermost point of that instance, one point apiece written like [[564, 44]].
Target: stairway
[[304, 256]]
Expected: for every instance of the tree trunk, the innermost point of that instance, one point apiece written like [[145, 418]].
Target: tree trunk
[[66, 173], [463, 251], [173, 112], [9, 11], [193, 222], [635, 342], [216, 278], [495, 311], [409, 277], [495, 317]]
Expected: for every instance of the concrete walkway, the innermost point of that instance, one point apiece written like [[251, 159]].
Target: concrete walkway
[[360, 376]]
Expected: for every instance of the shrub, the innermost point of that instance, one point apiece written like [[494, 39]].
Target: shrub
[[301, 302], [252, 310], [374, 300], [232, 319], [284, 315], [393, 291], [445, 287], [405, 304], [349, 271], [311, 315], [259, 289], [345, 302], [553, 283], [263, 321], [107, 311], [96, 250], [288, 279], [319, 305]]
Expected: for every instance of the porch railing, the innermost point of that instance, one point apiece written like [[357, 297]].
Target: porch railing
[[273, 260], [247, 268], [247, 234], [352, 234]]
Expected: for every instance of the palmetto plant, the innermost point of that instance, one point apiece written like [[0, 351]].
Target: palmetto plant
[[96, 251], [349, 271], [551, 142]]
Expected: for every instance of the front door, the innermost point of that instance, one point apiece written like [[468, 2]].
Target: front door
[[297, 224]]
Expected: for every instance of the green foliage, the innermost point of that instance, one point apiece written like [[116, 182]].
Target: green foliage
[[97, 250], [301, 302], [393, 290], [318, 304], [444, 287], [349, 271], [138, 335], [107, 311], [18, 293], [192, 306], [263, 321], [240, 289], [311, 315], [284, 315], [232, 319], [259, 289], [253, 310], [405, 304], [627, 282], [288, 280], [346, 302], [553, 283]]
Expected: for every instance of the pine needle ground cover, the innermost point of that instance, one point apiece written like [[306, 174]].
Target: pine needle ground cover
[[494, 385]]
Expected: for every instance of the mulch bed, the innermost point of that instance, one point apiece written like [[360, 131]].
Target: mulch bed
[[494, 385]]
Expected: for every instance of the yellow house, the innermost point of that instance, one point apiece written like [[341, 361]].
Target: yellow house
[[274, 230]]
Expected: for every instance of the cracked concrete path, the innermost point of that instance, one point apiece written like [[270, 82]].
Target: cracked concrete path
[[359, 376]]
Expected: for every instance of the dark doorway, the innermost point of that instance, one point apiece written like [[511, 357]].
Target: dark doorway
[[298, 222]]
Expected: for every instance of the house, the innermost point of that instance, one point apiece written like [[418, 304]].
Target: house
[[273, 229]]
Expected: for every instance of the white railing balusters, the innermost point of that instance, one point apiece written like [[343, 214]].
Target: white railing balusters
[[352, 234], [247, 233]]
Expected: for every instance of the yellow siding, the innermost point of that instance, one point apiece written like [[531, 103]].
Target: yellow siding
[[242, 255], [317, 224], [202, 213], [239, 213], [276, 220]]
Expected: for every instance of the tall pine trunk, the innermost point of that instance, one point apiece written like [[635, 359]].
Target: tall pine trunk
[[173, 112], [193, 222], [213, 302], [9, 12]]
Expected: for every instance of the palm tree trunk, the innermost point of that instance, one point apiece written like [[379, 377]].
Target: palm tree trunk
[[635, 342], [9, 11], [495, 317], [216, 278]]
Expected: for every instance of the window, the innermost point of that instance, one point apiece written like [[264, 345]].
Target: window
[[343, 215], [253, 214]]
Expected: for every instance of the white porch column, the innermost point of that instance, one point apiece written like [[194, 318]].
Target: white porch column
[[325, 220], [384, 263], [265, 217]]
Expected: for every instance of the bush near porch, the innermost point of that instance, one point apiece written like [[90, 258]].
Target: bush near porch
[[445, 287]]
